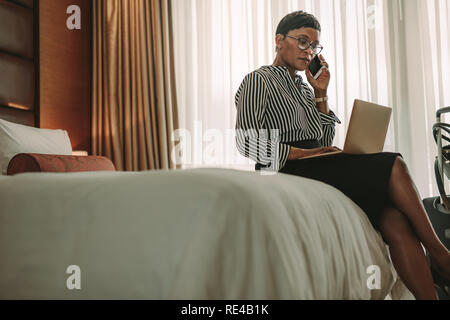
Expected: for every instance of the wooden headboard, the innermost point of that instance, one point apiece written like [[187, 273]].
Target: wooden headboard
[[19, 61]]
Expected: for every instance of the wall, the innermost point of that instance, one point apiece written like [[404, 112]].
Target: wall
[[65, 71], [19, 62]]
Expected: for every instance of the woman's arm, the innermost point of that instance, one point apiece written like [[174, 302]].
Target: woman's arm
[[320, 86], [322, 106], [298, 153], [327, 117]]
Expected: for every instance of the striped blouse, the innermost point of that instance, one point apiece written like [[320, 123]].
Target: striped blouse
[[272, 110]]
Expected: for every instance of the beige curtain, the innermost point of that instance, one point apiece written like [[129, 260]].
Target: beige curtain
[[134, 108]]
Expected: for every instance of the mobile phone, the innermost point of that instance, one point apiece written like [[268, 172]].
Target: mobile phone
[[315, 67]]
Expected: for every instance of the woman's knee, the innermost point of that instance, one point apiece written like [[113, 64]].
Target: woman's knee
[[394, 225], [399, 166]]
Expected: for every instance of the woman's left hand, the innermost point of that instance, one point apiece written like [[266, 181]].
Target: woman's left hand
[[321, 83]]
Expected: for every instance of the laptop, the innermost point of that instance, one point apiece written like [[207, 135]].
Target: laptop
[[367, 129]]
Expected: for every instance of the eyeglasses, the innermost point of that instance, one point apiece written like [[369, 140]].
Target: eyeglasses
[[304, 44]]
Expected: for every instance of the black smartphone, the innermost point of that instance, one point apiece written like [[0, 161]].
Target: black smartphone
[[315, 67]]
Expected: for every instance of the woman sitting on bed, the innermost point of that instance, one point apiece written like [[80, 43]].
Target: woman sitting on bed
[[280, 120]]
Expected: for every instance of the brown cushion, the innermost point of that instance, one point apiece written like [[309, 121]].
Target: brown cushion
[[33, 162]]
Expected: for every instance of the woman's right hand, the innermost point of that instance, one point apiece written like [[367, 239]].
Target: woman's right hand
[[297, 153]]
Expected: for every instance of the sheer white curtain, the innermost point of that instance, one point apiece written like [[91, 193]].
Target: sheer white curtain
[[418, 74], [391, 52]]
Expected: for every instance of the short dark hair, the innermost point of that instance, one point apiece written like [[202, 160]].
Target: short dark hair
[[297, 20]]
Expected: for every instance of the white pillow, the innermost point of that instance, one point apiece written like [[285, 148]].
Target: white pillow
[[16, 138]]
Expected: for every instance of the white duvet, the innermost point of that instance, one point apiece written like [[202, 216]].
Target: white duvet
[[192, 234]]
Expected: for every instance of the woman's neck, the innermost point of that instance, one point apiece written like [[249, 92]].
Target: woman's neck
[[280, 63]]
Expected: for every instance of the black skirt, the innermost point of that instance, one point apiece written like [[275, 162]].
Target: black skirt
[[364, 178]]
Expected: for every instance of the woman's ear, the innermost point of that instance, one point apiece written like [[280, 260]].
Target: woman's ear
[[278, 41]]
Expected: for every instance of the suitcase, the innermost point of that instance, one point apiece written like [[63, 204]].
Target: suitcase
[[438, 208]]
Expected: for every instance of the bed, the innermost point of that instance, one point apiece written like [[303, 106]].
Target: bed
[[188, 234]]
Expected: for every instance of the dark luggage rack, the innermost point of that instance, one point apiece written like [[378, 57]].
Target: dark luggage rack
[[438, 208], [442, 161]]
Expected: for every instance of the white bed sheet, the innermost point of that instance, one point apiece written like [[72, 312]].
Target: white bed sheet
[[191, 234]]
